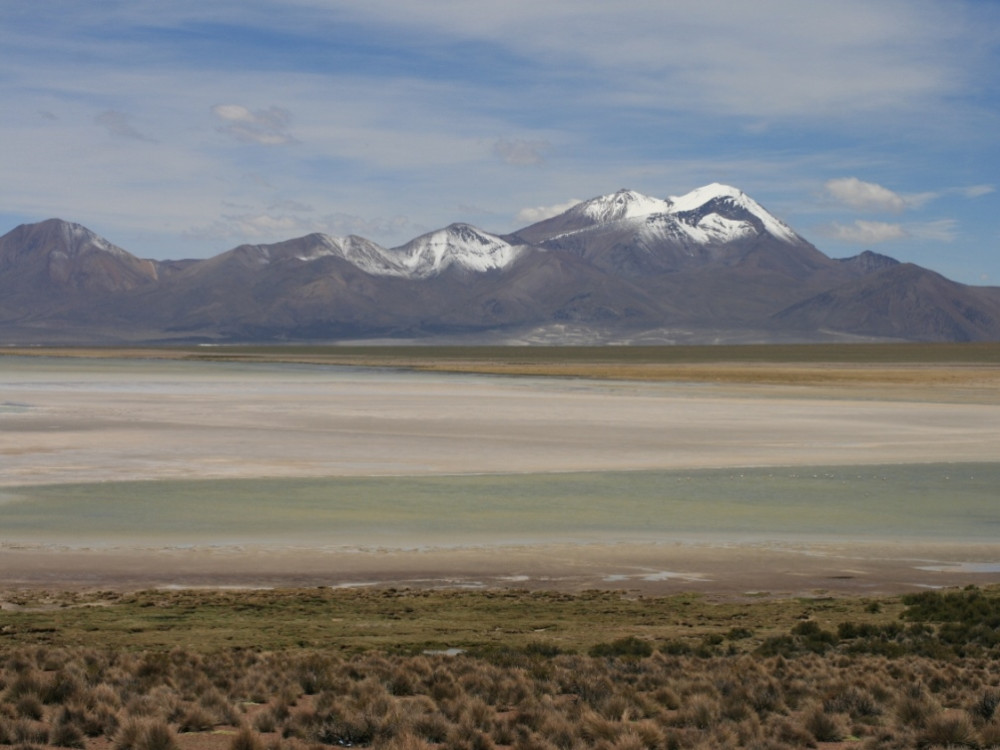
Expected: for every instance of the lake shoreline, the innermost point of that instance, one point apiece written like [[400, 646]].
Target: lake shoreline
[[722, 571]]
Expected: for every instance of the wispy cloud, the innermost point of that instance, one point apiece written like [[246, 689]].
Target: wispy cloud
[[869, 196], [977, 191], [865, 196], [540, 213], [941, 230], [861, 232], [267, 127]]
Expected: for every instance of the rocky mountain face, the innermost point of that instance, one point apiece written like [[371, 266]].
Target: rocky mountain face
[[712, 265]]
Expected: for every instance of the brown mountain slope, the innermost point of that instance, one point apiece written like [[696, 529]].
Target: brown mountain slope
[[901, 301], [60, 283], [68, 258]]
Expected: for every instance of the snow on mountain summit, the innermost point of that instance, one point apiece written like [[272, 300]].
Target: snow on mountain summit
[[458, 244], [624, 204], [714, 214], [710, 216], [715, 198], [702, 195], [428, 255]]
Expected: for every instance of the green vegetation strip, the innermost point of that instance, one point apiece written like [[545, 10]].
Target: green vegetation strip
[[407, 621], [605, 623]]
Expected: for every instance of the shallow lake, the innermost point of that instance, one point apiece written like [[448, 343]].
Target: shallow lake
[[928, 502]]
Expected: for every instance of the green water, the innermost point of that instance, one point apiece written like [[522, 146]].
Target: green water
[[937, 502]]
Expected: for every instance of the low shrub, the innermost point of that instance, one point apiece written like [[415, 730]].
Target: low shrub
[[628, 647], [948, 730], [157, 735], [28, 706], [246, 739], [66, 734], [986, 705], [823, 726]]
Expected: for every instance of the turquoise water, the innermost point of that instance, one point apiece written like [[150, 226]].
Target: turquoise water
[[936, 502]]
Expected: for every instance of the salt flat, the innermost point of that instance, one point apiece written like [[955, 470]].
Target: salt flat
[[104, 420]]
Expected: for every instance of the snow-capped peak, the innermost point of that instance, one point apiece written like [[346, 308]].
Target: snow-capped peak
[[624, 204], [700, 196], [428, 255], [459, 244], [716, 191]]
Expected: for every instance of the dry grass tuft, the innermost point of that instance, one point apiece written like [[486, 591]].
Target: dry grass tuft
[[823, 726], [246, 739], [949, 730], [540, 699]]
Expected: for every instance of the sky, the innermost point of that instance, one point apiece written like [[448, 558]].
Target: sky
[[181, 129]]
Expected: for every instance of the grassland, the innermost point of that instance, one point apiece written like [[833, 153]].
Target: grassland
[[403, 620], [296, 669]]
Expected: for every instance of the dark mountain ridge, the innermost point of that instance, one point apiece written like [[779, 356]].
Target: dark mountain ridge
[[709, 265]]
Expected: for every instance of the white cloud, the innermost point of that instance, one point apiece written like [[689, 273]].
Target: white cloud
[[232, 112], [865, 232], [864, 196], [267, 127], [872, 197], [540, 213]]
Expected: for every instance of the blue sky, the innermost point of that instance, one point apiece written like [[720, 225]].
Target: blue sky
[[181, 129]]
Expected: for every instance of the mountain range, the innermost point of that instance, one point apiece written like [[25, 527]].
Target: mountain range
[[709, 266]]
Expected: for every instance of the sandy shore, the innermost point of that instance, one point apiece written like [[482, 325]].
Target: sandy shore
[[725, 571], [103, 420]]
